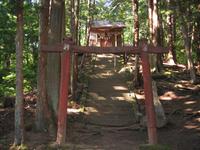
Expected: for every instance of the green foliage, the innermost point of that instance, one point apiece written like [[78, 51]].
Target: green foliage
[[20, 147], [7, 46], [115, 10], [155, 147], [181, 57]]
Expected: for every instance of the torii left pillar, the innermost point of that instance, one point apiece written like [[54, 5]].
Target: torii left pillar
[[149, 106], [63, 99], [63, 49]]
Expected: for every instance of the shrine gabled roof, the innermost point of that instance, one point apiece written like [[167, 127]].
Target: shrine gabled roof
[[107, 24]]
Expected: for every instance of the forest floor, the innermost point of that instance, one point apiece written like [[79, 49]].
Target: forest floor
[[108, 121]]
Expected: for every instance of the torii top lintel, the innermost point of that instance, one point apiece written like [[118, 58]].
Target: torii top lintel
[[69, 45]]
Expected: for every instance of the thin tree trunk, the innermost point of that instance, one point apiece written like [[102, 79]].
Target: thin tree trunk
[[159, 37], [73, 29], [89, 19], [136, 39], [152, 19], [19, 104], [196, 43], [186, 29], [87, 29], [42, 110], [187, 43], [155, 23], [73, 20], [171, 37], [198, 40], [77, 7]]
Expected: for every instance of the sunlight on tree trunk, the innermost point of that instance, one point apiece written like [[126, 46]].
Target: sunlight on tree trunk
[[136, 39], [171, 57], [74, 26], [153, 25]]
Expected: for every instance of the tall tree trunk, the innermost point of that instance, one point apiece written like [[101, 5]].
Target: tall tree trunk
[[196, 43], [87, 28], [154, 27], [42, 110], [136, 39], [74, 33], [159, 37], [89, 19], [73, 20], [198, 40], [171, 37], [155, 59], [155, 23], [77, 6], [152, 19], [187, 44], [186, 30], [19, 104], [56, 33]]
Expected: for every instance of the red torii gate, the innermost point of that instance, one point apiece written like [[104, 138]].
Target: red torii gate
[[67, 47]]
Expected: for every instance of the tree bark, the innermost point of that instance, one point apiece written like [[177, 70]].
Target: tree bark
[[74, 33], [56, 33], [89, 19], [171, 36], [87, 28], [196, 43], [155, 60], [19, 104], [154, 28], [187, 44], [186, 30], [152, 19], [136, 39], [42, 110]]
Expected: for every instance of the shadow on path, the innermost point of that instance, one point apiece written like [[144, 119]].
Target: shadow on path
[[108, 110]]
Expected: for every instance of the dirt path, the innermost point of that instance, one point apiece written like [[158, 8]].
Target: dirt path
[[108, 112], [108, 123]]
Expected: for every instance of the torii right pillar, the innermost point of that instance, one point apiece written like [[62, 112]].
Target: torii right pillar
[[149, 105]]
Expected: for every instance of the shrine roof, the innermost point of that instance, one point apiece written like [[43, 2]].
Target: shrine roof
[[106, 24]]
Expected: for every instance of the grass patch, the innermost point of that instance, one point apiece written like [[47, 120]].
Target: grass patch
[[154, 147]]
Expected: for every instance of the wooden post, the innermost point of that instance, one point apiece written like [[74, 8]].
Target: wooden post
[[149, 106], [64, 85]]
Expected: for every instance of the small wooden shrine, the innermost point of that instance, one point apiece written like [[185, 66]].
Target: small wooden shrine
[[106, 33]]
